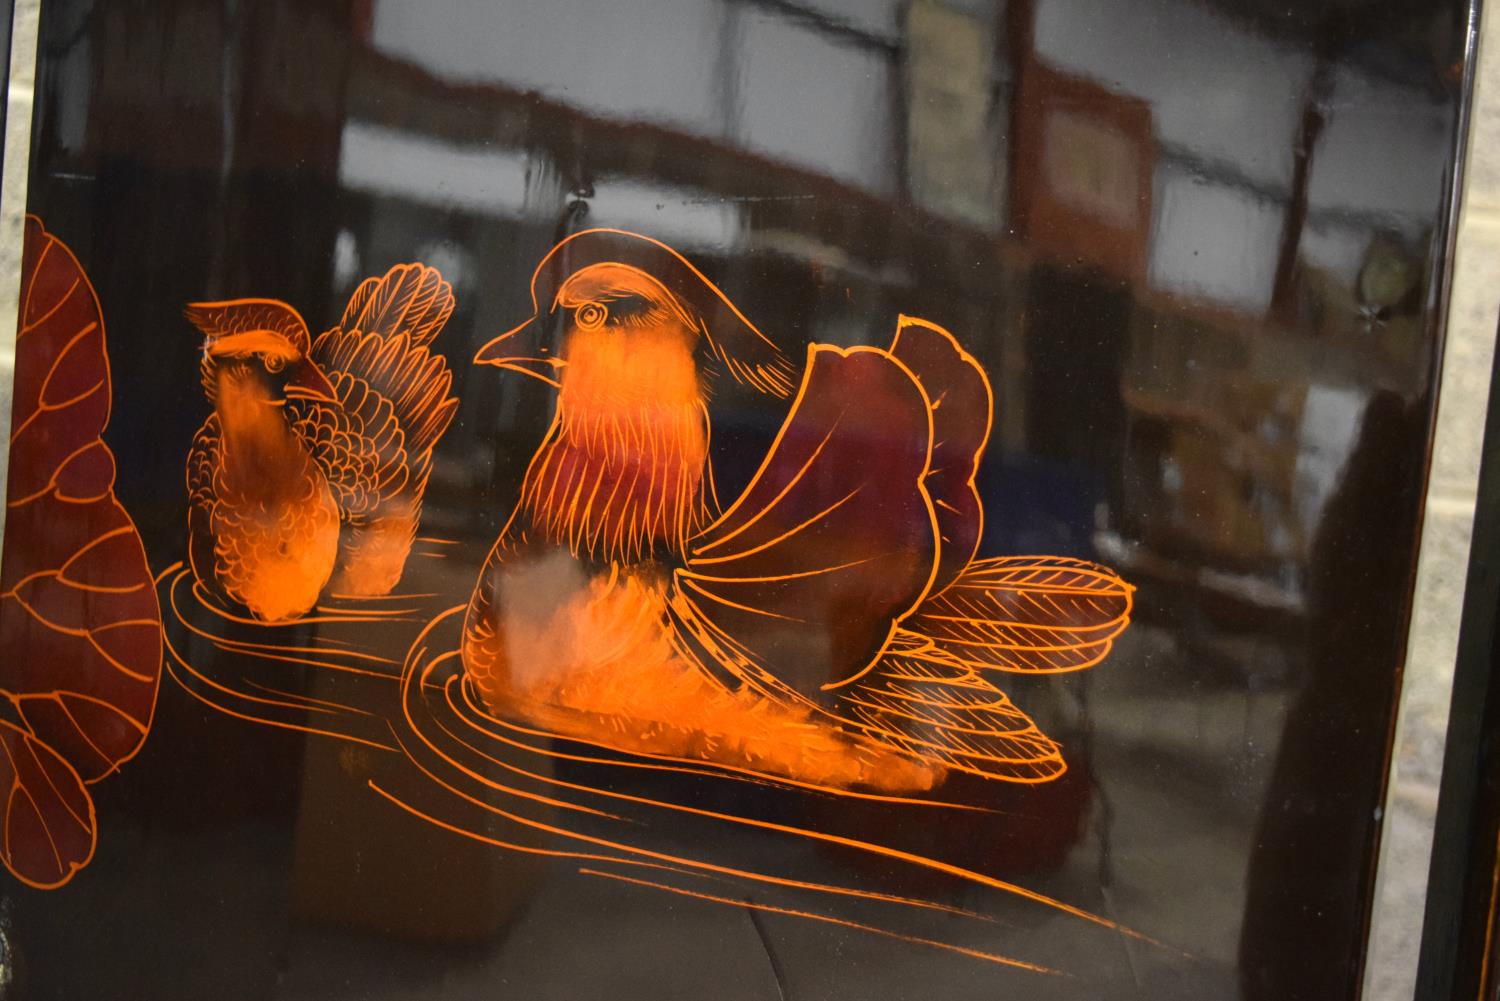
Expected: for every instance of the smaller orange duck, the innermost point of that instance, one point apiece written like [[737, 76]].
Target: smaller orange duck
[[310, 471]]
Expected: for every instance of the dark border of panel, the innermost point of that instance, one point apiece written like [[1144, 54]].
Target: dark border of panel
[[1458, 935]]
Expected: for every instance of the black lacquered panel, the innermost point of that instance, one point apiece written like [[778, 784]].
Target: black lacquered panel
[[717, 498]]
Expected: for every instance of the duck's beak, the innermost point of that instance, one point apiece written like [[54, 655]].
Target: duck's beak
[[308, 382], [519, 350]]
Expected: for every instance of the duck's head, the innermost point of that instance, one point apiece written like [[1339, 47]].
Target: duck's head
[[620, 315], [262, 344]]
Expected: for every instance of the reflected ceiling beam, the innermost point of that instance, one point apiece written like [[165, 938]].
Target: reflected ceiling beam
[[394, 93], [828, 25]]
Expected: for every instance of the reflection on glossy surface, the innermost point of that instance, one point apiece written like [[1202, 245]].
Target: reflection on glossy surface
[[1195, 246]]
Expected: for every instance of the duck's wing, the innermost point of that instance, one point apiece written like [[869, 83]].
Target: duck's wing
[[928, 703], [958, 393], [203, 461], [410, 299], [801, 582], [357, 444], [382, 343], [1028, 614]]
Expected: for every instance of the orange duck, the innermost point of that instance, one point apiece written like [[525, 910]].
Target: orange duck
[[831, 623], [309, 473]]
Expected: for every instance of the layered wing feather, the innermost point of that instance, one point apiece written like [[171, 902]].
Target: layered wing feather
[[203, 459], [383, 340], [800, 583], [925, 701], [392, 388], [843, 577], [958, 393], [394, 405], [1029, 614], [358, 443], [410, 299], [415, 381]]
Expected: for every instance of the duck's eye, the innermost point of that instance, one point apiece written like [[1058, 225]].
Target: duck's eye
[[275, 363], [591, 315]]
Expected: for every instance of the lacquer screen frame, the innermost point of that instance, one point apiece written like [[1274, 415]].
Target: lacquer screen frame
[[1451, 967], [19, 57]]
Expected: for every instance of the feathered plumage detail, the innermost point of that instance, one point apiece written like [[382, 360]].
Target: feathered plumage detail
[[1028, 614], [310, 473], [837, 597], [220, 319], [737, 346], [376, 447], [928, 702], [411, 299], [842, 579]]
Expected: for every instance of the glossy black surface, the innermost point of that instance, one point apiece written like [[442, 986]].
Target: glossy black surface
[[1198, 246]]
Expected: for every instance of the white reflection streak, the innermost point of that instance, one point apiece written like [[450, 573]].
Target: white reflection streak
[[399, 164], [17, 158], [493, 182]]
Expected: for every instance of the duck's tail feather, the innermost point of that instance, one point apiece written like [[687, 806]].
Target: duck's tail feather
[[1027, 614], [926, 702], [410, 299], [383, 340]]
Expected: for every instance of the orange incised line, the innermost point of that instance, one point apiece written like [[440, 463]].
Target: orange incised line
[[775, 540], [244, 645], [337, 707], [241, 646], [84, 733], [1115, 629], [393, 596], [691, 865], [690, 581], [334, 617], [47, 830], [770, 578], [47, 408], [921, 492], [770, 908], [262, 650], [537, 797], [177, 660], [904, 321], [52, 785], [279, 703], [280, 724], [882, 850], [61, 301], [797, 478], [348, 430], [458, 707], [370, 615], [65, 871], [51, 483], [686, 867], [36, 270], [690, 766], [1114, 626]]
